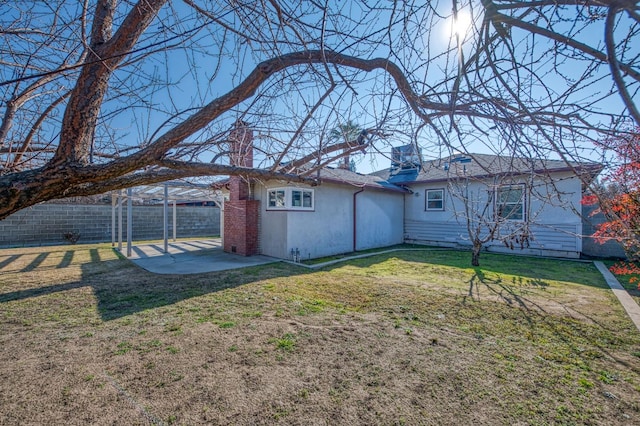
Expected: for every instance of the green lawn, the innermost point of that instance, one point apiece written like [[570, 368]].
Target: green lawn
[[415, 337]]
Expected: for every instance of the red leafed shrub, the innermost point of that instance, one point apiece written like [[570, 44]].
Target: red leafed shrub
[[620, 202], [627, 268], [589, 199]]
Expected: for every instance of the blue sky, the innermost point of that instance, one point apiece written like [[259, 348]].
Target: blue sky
[[193, 77], [364, 103]]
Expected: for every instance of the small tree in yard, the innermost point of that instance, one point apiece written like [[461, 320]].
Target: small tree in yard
[[487, 219], [504, 200], [619, 201], [493, 209]]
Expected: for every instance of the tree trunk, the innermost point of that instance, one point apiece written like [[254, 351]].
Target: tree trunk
[[475, 254]]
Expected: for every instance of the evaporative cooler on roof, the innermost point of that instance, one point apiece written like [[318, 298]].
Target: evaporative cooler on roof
[[405, 157]]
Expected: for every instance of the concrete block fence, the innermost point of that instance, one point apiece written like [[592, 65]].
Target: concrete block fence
[[590, 246], [46, 224]]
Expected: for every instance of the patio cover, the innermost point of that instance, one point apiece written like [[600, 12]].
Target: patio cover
[[172, 191]]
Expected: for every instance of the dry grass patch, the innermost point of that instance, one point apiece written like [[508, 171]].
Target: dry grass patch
[[403, 338]]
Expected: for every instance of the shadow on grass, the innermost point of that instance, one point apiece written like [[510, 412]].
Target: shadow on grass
[[35, 263], [506, 292], [150, 291], [565, 329], [122, 288], [528, 271]]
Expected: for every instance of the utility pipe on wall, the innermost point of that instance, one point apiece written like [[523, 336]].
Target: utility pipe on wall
[[355, 218]]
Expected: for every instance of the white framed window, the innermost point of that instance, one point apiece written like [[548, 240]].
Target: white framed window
[[290, 199], [510, 202], [277, 199], [434, 199]]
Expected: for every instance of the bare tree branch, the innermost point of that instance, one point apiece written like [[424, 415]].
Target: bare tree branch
[[154, 86]]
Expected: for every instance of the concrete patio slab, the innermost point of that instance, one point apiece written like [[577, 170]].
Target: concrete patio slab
[[191, 257]]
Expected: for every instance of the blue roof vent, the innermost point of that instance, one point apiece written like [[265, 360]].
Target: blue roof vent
[[460, 159]]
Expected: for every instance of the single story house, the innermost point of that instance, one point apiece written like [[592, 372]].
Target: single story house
[[347, 212], [535, 203]]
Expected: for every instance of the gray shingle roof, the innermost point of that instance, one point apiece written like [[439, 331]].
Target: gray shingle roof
[[470, 165], [343, 176], [482, 165]]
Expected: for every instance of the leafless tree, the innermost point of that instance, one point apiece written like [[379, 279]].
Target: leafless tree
[[502, 199], [104, 94], [483, 223]]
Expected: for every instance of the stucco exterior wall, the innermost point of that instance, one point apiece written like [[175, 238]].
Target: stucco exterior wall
[[552, 208], [328, 229], [272, 230], [380, 217]]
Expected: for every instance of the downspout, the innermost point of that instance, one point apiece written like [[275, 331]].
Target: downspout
[[355, 218], [404, 217]]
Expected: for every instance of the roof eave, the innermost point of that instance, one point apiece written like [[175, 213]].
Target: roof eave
[[592, 169], [392, 188]]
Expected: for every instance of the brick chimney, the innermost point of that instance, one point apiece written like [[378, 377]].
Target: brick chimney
[[241, 212], [241, 145]]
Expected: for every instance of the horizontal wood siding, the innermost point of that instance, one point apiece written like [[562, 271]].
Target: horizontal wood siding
[[551, 237], [557, 237], [434, 231]]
